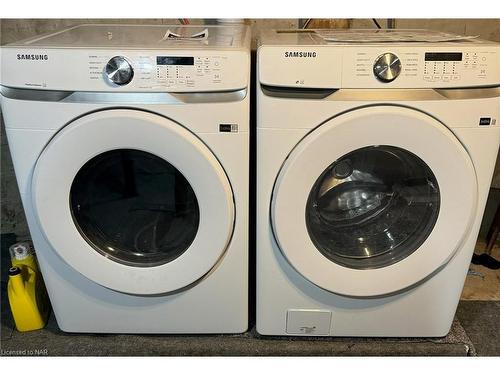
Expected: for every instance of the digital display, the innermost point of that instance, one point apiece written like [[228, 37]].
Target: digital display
[[174, 60], [443, 56]]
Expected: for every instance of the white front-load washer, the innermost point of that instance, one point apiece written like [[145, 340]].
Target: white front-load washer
[[130, 147], [374, 161]]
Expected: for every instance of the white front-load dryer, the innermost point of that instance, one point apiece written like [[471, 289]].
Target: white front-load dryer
[[131, 154], [374, 162]]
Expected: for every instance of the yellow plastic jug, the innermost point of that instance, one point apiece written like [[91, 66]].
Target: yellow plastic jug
[[27, 294]]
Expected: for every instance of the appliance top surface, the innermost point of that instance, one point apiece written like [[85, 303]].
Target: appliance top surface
[[365, 37], [142, 37]]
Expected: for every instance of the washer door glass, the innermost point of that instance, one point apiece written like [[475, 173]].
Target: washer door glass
[[372, 207], [134, 207]]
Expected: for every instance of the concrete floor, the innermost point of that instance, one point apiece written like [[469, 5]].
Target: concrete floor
[[481, 320], [53, 342], [474, 332]]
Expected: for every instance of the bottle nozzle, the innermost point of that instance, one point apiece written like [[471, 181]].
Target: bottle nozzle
[[13, 271]]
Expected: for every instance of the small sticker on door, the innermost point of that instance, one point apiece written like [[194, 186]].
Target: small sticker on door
[[484, 121], [228, 128]]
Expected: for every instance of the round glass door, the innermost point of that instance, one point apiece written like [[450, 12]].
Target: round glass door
[[133, 202], [372, 207], [134, 208], [373, 201]]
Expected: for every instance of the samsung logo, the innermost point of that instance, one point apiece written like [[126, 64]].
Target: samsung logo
[[22, 56], [300, 54]]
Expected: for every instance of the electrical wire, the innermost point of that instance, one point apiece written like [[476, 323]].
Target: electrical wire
[[376, 23], [304, 26]]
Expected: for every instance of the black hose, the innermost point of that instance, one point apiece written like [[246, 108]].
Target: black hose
[[376, 23]]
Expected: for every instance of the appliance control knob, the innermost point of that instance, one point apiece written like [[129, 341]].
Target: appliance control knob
[[387, 67], [119, 71]]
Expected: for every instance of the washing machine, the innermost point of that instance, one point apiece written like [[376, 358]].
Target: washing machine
[[375, 153], [130, 147]]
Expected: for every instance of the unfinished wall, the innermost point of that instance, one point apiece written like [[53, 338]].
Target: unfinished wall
[[12, 30], [12, 217]]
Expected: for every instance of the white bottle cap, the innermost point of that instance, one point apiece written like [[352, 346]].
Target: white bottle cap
[[20, 250]]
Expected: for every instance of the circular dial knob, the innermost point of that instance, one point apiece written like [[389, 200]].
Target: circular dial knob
[[119, 71], [387, 67]]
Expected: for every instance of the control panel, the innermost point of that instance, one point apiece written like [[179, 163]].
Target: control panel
[[131, 70], [186, 71], [422, 67], [383, 65], [450, 66], [170, 72]]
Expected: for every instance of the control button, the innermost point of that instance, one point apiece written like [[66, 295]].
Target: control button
[[446, 78], [161, 74], [181, 81], [436, 78], [216, 63], [427, 78], [387, 67], [171, 81], [119, 71], [456, 78]]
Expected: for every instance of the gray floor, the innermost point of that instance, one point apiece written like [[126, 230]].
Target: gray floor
[[51, 341], [473, 333], [481, 320]]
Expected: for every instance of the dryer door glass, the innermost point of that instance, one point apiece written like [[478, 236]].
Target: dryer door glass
[[134, 207], [372, 207]]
